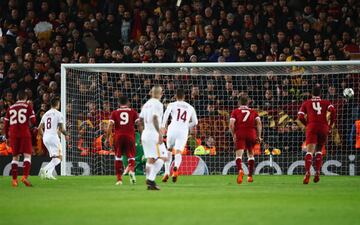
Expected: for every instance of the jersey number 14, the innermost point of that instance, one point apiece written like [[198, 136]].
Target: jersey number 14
[[181, 116]]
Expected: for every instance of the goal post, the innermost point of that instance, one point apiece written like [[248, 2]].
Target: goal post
[[276, 90]]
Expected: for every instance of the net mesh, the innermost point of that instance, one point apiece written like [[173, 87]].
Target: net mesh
[[275, 91]]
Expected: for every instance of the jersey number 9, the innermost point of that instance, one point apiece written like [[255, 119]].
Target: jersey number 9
[[124, 118]]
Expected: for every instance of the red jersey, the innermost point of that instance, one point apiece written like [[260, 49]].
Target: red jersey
[[316, 109], [17, 120], [244, 118], [124, 119]]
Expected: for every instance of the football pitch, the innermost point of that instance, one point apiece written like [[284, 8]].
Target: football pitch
[[200, 200]]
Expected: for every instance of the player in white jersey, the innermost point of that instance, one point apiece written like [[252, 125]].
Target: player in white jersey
[[183, 117], [52, 122], [152, 137]]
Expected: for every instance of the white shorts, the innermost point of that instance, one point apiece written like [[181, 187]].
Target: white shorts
[[152, 149], [176, 139], [52, 143]]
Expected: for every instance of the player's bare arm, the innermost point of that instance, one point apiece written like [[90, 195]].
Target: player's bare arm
[[194, 120], [258, 125], [165, 118], [232, 128], [63, 130], [109, 131], [41, 129], [157, 128]]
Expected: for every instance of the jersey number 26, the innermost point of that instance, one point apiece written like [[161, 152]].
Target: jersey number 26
[[17, 116]]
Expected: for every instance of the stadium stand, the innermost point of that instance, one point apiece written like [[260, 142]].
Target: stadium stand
[[37, 36]]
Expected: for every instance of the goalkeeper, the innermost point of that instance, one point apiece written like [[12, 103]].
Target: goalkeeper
[[139, 157]]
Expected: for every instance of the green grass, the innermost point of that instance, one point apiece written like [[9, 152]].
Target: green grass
[[194, 200]]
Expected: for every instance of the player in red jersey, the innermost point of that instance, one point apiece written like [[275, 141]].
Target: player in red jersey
[[245, 127], [124, 119], [17, 130], [317, 129]]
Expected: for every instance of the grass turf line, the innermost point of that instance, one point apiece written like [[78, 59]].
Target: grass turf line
[[200, 200]]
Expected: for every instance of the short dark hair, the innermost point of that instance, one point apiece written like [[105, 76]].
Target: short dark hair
[[54, 102], [21, 95], [180, 93], [243, 100], [316, 90], [123, 100]]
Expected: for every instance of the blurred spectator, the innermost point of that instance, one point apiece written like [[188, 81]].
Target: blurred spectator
[[149, 31]]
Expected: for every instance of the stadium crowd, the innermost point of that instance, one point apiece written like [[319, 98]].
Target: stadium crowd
[[37, 36]]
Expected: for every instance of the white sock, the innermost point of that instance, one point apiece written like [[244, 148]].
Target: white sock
[[157, 167], [54, 162], [168, 164], [178, 159], [48, 166], [148, 170]]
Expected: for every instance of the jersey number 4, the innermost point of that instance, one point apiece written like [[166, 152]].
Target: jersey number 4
[[124, 118], [17, 116], [181, 116], [316, 106]]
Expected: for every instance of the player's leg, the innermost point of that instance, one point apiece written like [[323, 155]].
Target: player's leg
[[130, 154], [167, 163], [322, 138], [250, 143], [15, 169], [180, 144], [159, 162], [27, 167], [251, 164], [44, 170], [311, 140], [54, 147], [239, 146], [15, 160], [308, 161], [55, 160], [149, 141], [26, 147], [118, 163]]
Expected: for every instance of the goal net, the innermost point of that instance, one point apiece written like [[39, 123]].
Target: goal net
[[91, 91]]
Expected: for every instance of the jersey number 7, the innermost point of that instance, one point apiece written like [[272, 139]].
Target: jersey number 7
[[247, 114]]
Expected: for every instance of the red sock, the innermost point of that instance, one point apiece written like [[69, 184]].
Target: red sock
[[251, 163], [131, 165], [238, 164], [308, 162], [14, 170], [118, 169], [27, 166], [318, 161]]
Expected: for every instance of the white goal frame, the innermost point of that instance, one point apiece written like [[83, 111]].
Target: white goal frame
[[132, 67]]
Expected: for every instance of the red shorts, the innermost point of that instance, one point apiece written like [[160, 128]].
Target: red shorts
[[21, 145], [317, 134], [245, 140], [124, 145]]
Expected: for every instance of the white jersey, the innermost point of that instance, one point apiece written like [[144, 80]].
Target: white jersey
[[181, 113], [151, 108], [51, 120]]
